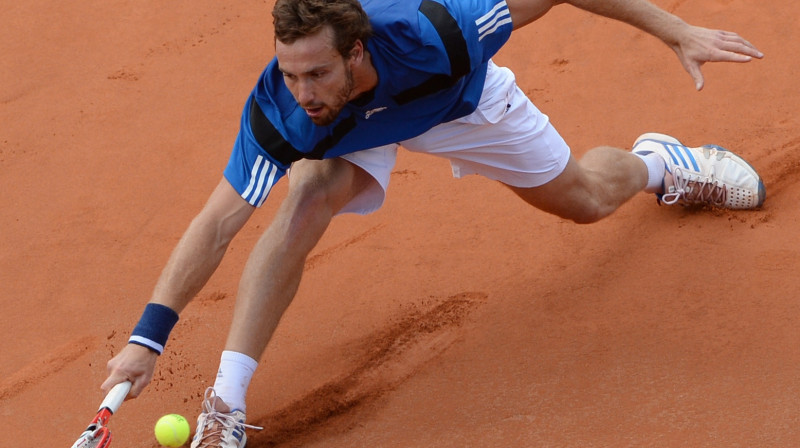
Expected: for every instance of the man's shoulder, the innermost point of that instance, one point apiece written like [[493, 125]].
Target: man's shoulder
[[395, 24], [408, 26]]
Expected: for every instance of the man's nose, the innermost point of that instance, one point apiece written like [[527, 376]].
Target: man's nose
[[305, 93]]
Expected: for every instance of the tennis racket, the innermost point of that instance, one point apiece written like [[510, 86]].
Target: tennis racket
[[97, 434]]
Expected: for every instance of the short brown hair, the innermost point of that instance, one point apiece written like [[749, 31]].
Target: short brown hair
[[295, 19]]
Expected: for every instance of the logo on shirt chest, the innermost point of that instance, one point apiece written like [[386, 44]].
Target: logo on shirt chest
[[372, 112]]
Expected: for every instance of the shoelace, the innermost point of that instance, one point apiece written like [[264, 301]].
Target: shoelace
[[212, 434], [695, 191]]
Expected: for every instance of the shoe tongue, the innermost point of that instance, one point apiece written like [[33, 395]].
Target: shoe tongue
[[221, 407]]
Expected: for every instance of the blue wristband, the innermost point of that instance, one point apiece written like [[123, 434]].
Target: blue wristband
[[154, 327]]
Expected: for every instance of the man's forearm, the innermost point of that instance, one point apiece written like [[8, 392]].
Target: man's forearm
[[193, 261], [191, 264], [200, 250], [639, 13]]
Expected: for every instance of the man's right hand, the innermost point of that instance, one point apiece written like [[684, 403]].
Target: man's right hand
[[135, 364]]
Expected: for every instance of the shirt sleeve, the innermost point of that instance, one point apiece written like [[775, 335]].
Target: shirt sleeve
[[471, 31], [251, 170]]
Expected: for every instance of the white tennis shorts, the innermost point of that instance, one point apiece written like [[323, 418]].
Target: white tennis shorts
[[506, 139]]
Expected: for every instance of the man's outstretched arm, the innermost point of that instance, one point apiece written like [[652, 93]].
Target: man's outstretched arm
[[191, 264], [693, 45]]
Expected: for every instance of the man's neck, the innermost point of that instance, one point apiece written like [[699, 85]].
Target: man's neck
[[365, 77]]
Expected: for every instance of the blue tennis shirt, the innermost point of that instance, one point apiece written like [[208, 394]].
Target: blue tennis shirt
[[431, 58]]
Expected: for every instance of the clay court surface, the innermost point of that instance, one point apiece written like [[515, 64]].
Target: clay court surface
[[455, 316]]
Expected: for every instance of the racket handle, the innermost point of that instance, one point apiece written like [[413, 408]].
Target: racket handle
[[116, 396]]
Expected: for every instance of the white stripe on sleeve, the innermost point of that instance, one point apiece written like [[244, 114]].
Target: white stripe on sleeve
[[268, 187], [494, 19], [253, 176]]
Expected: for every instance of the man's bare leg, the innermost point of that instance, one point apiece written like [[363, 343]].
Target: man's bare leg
[[592, 188], [317, 191]]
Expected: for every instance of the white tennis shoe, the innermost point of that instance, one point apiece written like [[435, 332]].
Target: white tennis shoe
[[708, 175], [219, 429]]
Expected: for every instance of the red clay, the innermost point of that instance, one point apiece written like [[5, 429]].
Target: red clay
[[455, 316]]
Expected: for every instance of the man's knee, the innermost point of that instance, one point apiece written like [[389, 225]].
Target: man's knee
[[579, 208], [321, 184], [577, 194], [589, 190]]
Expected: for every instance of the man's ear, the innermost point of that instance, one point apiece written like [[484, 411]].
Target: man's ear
[[357, 52]]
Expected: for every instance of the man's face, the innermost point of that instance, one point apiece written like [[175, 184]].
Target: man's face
[[320, 80]]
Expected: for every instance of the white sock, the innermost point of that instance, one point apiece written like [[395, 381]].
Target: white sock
[[656, 169], [233, 378]]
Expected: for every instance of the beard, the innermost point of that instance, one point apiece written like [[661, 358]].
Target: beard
[[341, 99]]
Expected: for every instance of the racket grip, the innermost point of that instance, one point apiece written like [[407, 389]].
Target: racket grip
[[116, 396]]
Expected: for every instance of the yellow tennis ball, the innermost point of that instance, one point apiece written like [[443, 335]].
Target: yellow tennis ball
[[172, 430]]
